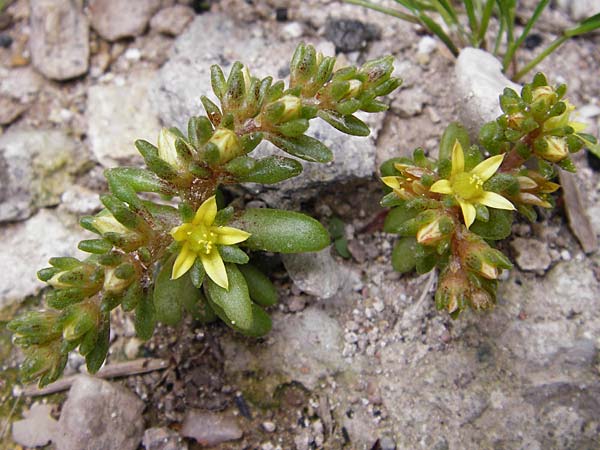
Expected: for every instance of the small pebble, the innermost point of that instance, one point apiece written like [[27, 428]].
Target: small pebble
[[5, 41], [269, 427]]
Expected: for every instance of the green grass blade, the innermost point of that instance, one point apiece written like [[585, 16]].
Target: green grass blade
[[384, 10], [590, 24], [439, 32], [553, 46], [473, 25], [510, 52], [485, 20]]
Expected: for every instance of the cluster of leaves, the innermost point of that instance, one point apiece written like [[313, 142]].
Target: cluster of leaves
[[449, 212], [473, 33], [172, 250]]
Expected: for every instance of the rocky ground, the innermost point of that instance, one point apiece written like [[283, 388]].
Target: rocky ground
[[358, 357]]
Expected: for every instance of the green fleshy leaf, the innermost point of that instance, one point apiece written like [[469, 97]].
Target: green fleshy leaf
[[233, 254], [279, 231], [403, 255], [170, 295], [499, 225], [145, 319], [96, 357], [199, 308], [346, 124], [341, 247], [260, 287], [272, 169], [397, 217], [235, 303], [454, 131], [304, 147]]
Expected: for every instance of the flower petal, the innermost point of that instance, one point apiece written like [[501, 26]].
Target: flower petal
[[207, 212], [441, 187], [215, 268], [458, 159], [468, 211], [485, 169], [230, 235], [183, 263], [494, 200], [391, 182], [180, 233]]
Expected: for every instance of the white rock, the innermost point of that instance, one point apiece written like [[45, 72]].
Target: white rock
[[306, 347], [37, 428], [426, 45], [532, 255], [186, 76], [293, 30], [36, 166], [479, 83], [172, 20], [580, 9], [102, 414], [315, 273], [118, 116], [26, 247], [59, 39], [80, 201], [162, 438], [210, 428], [116, 19]]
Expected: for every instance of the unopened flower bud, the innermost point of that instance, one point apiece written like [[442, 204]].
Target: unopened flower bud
[[105, 222], [556, 149], [481, 300], [112, 283], [452, 290], [545, 94], [515, 121], [167, 150], [227, 143], [292, 106], [434, 231], [354, 88]]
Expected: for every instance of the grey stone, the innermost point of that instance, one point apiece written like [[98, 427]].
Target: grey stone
[[410, 102], [315, 273], [117, 19], [117, 116], [579, 9], [305, 347], [479, 83], [59, 40], [172, 20], [26, 247], [10, 110], [162, 438], [211, 39], [36, 166], [80, 201], [210, 428], [37, 428], [350, 35], [525, 373], [20, 83], [531, 254], [102, 414]]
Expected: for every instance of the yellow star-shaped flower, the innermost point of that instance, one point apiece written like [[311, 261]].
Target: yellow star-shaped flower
[[467, 187], [200, 239]]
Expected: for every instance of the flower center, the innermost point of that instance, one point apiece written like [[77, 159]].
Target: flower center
[[467, 185], [202, 240]]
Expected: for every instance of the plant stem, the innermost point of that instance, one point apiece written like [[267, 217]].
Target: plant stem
[[510, 52], [485, 20], [553, 46], [384, 10]]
